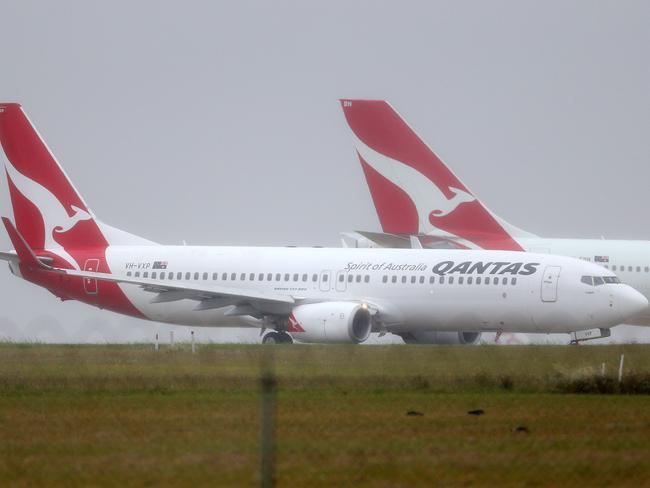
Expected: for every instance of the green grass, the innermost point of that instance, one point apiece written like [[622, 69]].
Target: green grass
[[126, 415]]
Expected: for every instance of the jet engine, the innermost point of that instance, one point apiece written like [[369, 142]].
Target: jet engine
[[437, 337], [329, 322]]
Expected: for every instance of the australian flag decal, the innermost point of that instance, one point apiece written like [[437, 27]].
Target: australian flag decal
[[159, 265], [601, 259]]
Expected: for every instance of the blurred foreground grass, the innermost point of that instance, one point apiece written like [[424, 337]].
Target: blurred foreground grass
[[108, 415]]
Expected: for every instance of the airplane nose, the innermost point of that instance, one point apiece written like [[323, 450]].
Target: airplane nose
[[631, 302]]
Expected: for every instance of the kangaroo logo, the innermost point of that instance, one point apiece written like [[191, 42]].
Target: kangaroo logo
[[55, 217], [431, 203]]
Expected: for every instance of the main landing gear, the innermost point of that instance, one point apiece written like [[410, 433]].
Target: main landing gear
[[277, 338]]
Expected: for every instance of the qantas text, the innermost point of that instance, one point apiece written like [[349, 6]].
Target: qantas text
[[480, 267]]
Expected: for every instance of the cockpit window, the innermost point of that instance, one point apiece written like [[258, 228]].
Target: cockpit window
[[587, 280], [599, 280]]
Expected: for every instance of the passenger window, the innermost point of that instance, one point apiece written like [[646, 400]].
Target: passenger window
[[412, 279], [215, 276], [403, 279], [646, 269], [384, 279], [153, 275], [451, 280], [269, 276], [421, 280], [629, 268], [187, 276], [205, 276], [341, 278], [224, 276], [513, 281], [587, 280], [504, 281], [286, 277], [358, 278], [260, 277], [171, 276], [179, 276], [394, 279], [233, 276], [251, 277], [350, 278], [638, 269], [496, 281], [442, 280], [196, 276], [461, 280], [432, 280], [162, 275], [145, 274], [128, 273], [478, 280], [613, 267], [295, 277], [314, 278], [325, 277], [367, 279], [277, 277], [598, 281], [470, 280]]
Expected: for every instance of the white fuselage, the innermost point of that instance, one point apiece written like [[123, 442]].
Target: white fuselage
[[400, 284]]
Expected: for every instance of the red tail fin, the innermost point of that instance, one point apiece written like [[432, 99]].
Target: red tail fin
[[412, 189], [48, 211]]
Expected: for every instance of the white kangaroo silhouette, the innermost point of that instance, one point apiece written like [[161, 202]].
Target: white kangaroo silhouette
[[55, 217], [429, 200]]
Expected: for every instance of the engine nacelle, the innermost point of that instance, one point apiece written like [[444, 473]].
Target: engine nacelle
[[342, 322], [437, 337]]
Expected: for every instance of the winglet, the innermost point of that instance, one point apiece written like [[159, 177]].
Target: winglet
[[25, 254]]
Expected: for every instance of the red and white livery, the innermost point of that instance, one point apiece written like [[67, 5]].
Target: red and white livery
[[310, 294]]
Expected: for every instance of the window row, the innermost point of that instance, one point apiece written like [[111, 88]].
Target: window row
[[226, 276], [478, 280], [614, 267]]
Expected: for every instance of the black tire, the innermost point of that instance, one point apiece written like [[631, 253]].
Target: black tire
[[285, 338], [272, 338]]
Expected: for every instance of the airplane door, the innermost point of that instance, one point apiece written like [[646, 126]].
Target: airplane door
[[341, 281], [549, 283], [90, 285], [324, 281]]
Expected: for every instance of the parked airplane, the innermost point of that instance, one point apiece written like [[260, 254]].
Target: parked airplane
[[416, 194], [310, 294]]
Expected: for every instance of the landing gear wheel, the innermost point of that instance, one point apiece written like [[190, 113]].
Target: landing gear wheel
[[272, 338], [277, 338], [285, 338]]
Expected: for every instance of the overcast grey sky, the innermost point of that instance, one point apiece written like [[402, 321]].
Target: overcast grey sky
[[218, 122]]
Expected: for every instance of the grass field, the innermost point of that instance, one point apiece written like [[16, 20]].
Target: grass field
[[129, 416]]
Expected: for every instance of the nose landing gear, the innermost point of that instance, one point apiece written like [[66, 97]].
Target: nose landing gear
[[275, 337]]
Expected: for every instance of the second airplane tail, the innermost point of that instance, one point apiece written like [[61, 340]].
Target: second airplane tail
[[414, 192]]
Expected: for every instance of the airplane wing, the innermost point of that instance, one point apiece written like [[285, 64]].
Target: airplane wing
[[8, 256], [404, 241], [246, 302]]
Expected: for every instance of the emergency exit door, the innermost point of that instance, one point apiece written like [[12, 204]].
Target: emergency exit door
[[90, 284], [549, 283]]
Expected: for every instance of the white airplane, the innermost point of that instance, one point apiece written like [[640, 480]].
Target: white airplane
[[309, 294], [420, 201]]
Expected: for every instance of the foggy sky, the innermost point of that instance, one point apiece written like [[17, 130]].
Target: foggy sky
[[218, 122]]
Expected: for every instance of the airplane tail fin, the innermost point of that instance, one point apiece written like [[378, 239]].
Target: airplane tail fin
[[413, 191], [48, 211]]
